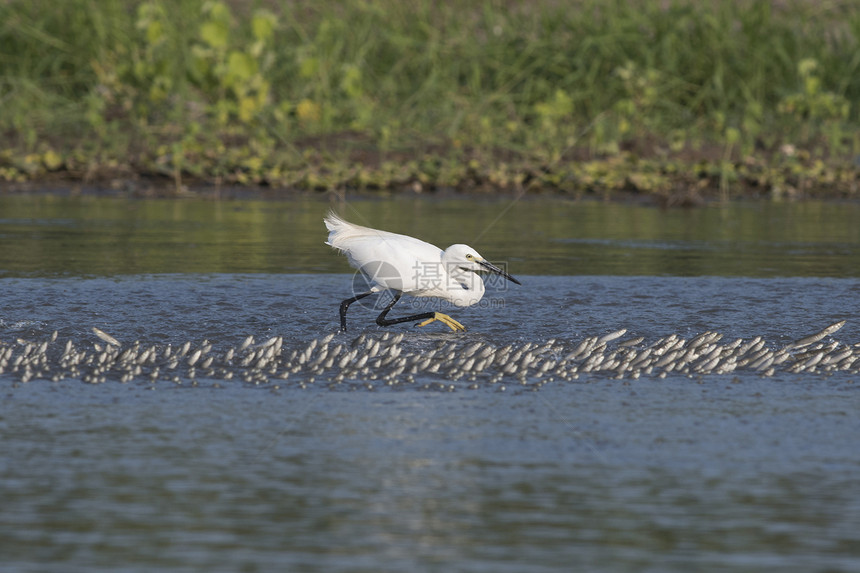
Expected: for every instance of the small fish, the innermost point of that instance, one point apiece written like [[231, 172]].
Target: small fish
[[631, 341], [248, 342], [192, 360], [818, 335], [471, 349], [611, 336], [106, 337]]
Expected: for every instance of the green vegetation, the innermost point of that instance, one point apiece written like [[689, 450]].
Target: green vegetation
[[674, 99]]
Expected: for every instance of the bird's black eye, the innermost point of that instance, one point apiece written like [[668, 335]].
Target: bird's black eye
[[469, 257]]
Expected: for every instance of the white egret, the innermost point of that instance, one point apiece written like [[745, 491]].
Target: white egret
[[402, 264]]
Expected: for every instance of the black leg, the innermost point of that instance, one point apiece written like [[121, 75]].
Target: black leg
[[382, 321], [344, 306], [428, 316]]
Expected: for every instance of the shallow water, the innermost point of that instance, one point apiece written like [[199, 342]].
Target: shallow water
[[50, 236], [760, 475], [687, 472]]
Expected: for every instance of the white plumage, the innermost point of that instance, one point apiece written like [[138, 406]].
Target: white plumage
[[408, 265]]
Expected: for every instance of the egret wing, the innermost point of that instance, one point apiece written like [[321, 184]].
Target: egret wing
[[389, 260]]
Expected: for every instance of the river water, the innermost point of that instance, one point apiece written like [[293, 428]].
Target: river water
[[184, 472]]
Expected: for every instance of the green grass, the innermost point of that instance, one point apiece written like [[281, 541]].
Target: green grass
[[648, 96]]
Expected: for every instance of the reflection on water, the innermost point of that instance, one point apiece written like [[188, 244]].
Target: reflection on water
[[85, 236], [668, 476]]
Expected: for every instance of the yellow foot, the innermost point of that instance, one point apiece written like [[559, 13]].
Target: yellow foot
[[447, 320]]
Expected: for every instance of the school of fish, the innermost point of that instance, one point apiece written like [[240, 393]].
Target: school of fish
[[449, 362]]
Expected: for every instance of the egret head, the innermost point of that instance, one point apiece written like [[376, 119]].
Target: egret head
[[465, 258]]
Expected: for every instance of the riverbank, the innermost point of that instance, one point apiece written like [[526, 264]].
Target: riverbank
[[202, 98], [668, 182]]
